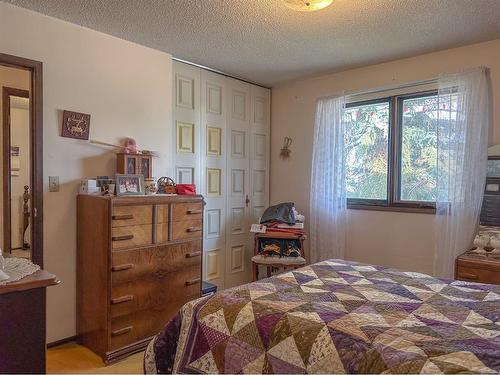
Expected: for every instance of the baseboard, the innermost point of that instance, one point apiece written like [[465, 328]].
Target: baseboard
[[61, 342]]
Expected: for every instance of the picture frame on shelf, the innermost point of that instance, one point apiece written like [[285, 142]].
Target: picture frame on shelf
[[129, 184]]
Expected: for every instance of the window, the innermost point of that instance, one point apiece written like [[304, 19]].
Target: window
[[367, 149], [391, 152]]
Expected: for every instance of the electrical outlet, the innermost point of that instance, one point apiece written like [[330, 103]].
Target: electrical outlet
[[53, 183]]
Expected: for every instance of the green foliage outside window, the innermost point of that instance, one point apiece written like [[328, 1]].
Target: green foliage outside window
[[366, 145], [367, 149], [419, 149]]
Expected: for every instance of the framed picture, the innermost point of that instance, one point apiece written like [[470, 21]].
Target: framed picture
[[493, 168], [75, 125], [130, 184]]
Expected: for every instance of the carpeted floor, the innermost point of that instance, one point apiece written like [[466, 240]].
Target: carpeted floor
[[72, 358]]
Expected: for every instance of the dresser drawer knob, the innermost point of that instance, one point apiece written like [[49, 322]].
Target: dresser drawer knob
[[194, 212], [122, 299], [123, 238], [122, 217], [192, 282], [468, 276], [121, 331], [193, 254], [193, 229], [122, 267]]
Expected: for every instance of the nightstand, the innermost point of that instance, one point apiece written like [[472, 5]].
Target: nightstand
[[478, 267]]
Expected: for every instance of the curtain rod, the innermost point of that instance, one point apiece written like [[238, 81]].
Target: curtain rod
[[219, 72], [353, 93]]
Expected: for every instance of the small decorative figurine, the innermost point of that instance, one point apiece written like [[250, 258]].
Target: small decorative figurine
[[130, 146], [495, 243], [481, 241]]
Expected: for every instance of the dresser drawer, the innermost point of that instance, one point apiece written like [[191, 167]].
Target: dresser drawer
[[131, 215], [155, 292], [478, 275], [131, 236], [128, 265], [182, 230], [139, 325], [187, 211]]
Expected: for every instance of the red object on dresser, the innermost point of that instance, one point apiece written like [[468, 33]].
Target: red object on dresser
[[186, 189]]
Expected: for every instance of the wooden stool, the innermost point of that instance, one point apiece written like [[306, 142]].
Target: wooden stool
[[272, 262]]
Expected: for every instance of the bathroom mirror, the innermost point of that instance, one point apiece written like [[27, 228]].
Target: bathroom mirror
[[20, 231]]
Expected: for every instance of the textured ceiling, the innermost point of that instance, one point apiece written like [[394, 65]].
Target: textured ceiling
[[265, 42]]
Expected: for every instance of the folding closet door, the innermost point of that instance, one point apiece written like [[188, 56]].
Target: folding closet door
[[238, 251], [213, 166], [260, 125], [186, 124], [221, 133]]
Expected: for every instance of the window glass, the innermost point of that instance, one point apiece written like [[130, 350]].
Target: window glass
[[418, 153], [367, 144]]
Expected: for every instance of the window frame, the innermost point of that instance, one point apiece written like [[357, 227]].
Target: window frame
[[367, 202], [394, 201]]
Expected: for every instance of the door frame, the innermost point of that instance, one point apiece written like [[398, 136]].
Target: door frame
[[36, 129]]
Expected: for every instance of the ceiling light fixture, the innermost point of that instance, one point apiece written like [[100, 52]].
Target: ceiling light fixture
[[307, 5]]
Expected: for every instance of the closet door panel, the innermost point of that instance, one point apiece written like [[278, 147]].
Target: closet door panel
[[259, 151], [186, 121], [238, 251], [213, 166]]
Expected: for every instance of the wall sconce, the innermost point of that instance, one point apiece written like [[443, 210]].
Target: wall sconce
[[285, 150]]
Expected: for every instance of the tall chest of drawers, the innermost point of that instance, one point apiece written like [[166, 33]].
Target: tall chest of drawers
[[138, 262]]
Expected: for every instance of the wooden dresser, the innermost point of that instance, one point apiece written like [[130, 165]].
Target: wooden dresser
[[139, 261]]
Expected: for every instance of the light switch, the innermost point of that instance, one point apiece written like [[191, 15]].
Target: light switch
[[53, 183]]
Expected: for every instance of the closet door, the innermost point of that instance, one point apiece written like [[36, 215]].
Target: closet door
[[186, 124], [238, 251], [260, 123], [213, 124]]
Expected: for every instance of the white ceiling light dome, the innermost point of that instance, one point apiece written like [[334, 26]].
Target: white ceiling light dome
[[307, 5]]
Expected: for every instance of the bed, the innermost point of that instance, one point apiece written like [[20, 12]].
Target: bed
[[335, 317]]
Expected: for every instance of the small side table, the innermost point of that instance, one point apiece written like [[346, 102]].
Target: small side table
[[481, 267], [277, 262]]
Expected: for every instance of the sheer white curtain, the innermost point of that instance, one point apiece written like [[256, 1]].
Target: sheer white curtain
[[463, 126], [328, 202]]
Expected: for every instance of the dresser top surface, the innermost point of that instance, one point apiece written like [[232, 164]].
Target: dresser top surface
[[40, 279], [145, 199]]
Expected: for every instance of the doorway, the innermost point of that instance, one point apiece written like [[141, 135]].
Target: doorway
[[21, 150]]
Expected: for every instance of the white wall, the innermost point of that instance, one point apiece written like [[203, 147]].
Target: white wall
[[126, 88], [403, 240]]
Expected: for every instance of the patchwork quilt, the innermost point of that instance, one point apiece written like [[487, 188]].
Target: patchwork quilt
[[336, 317]]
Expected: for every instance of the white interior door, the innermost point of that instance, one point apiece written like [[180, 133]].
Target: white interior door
[[238, 181], [213, 124]]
